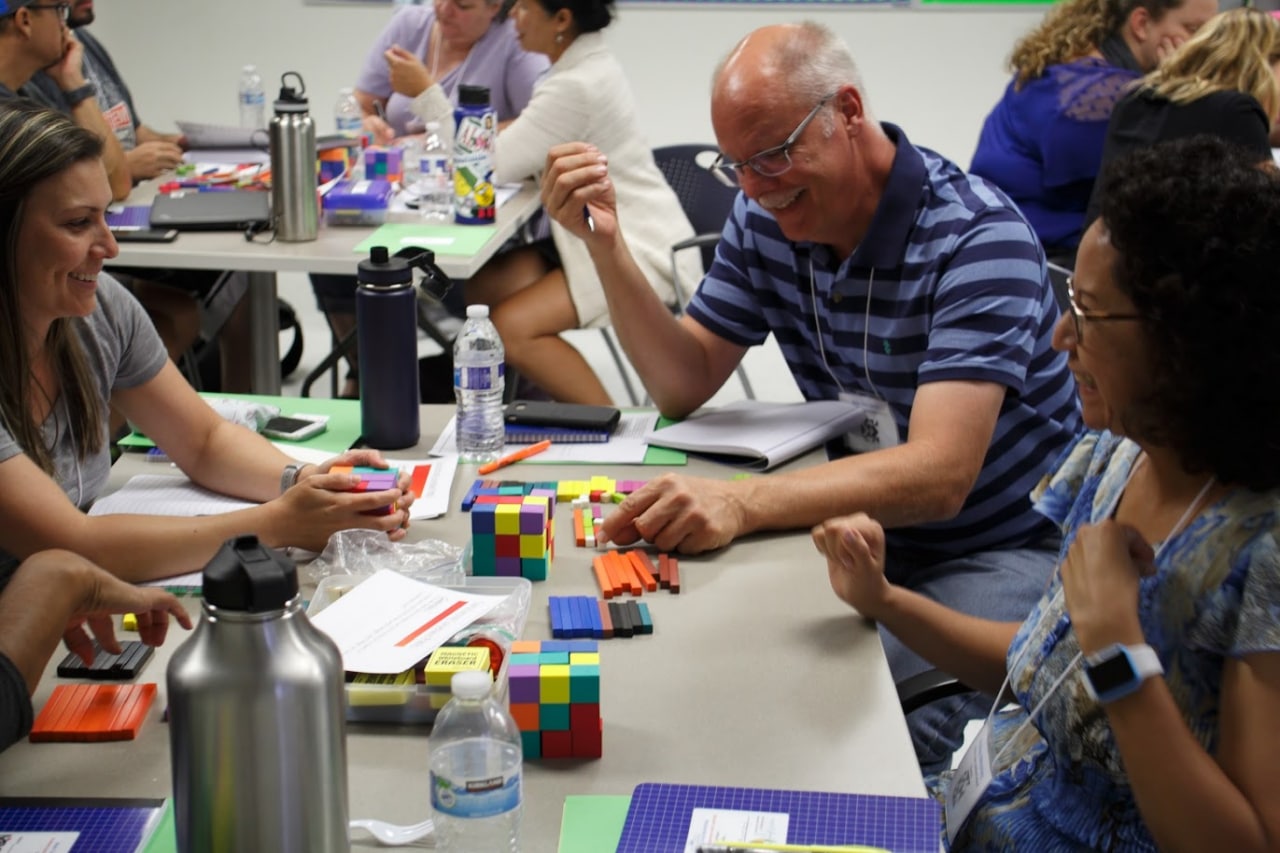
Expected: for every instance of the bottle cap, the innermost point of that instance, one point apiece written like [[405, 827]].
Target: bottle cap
[[433, 126], [249, 68], [477, 312], [384, 270], [292, 98], [471, 684], [473, 96], [247, 576]]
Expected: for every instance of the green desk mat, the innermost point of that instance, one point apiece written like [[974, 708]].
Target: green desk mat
[[590, 824], [344, 421]]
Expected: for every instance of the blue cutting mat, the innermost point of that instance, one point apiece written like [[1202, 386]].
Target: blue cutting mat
[[105, 825], [658, 820]]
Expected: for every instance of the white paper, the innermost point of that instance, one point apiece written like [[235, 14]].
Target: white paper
[[161, 494], [21, 841], [712, 826], [434, 500], [203, 135], [389, 622], [625, 447]]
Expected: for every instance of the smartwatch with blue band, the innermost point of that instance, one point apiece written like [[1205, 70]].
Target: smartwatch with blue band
[[1119, 670]]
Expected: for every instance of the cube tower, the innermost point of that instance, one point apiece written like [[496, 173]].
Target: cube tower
[[384, 163], [554, 695], [513, 535]]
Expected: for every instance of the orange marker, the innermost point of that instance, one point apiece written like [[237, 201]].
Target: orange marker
[[523, 453]]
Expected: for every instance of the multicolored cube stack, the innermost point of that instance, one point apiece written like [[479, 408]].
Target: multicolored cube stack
[[554, 695], [513, 535], [384, 163]]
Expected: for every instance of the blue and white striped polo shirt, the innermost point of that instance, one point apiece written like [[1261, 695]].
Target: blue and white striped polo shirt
[[955, 287]]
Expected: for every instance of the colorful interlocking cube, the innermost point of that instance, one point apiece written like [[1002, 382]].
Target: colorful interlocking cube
[[513, 535], [383, 163], [554, 695], [371, 480]]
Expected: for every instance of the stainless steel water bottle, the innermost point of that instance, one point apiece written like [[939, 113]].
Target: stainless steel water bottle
[[294, 202], [256, 716]]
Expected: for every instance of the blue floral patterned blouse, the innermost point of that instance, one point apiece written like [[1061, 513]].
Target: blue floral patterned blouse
[[1215, 594]]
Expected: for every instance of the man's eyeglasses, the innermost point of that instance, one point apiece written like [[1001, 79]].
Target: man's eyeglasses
[[770, 162], [63, 9], [1079, 316]]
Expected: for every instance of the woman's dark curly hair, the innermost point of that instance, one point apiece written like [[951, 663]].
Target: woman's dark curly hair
[[1196, 223]]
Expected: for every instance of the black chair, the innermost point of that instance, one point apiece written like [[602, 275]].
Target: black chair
[[707, 201], [1058, 278]]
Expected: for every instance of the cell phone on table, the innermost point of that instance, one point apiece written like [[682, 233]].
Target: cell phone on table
[[294, 428], [569, 415], [145, 235]]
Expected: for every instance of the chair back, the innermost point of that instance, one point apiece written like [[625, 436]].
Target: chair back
[[705, 199], [1058, 276]]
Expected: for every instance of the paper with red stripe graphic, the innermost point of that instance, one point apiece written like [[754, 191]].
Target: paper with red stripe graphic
[[389, 622]]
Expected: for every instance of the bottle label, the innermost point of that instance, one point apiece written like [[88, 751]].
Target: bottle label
[[473, 168], [475, 798], [433, 165], [479, 378]]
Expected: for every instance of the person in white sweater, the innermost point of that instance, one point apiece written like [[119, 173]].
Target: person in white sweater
[[538, 291]]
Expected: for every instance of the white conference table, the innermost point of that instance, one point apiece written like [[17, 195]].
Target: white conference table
[[755, 675], [332, 252]]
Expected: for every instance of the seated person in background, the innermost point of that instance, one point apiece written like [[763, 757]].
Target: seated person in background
[[1042, 143], [1222, 82], [70, 338], [51, 597], [450, 42], [1169, 540], [34, 36], [171, 297], [535, 294], [888, 276]]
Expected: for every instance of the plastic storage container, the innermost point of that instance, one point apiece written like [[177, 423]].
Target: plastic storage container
[[358, 203], [413, 703]]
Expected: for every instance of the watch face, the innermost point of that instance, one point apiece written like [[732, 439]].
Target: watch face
[[1111, 673]]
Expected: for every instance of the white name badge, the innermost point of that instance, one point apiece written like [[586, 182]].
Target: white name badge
[[877, 430], [968, 781]]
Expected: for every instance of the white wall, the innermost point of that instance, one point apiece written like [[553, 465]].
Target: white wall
[[936, 73]]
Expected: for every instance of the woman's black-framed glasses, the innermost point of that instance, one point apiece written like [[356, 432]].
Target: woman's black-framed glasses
[[1079, 316], [770, 162]]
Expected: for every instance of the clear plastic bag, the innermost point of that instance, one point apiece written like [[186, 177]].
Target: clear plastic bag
[[363, 552]]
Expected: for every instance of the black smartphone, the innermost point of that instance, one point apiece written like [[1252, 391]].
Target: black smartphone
[[145, 235], [570, 415], [106, 666]]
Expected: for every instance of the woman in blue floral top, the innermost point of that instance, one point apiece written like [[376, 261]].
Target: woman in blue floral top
[[1146, 682]]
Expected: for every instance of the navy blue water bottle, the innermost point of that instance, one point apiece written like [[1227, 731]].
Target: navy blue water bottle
[[387, 324]]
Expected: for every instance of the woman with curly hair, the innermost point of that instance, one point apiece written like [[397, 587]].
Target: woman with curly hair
[[1222, 82], [1042, 143], [1146, 681]]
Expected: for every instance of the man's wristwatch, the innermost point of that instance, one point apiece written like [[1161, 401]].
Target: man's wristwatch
[[1119, 670], [289, 476], [81, 93]]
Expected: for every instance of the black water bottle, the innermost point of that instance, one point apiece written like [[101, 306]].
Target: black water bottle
[[387, 324]]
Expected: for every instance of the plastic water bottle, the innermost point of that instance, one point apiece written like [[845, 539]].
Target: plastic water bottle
[[435, 176], [253, 99], [347, 116], [476, 765], [478, 383]]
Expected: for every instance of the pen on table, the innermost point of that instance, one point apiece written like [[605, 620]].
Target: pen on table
[[523, 453], [586, 217], [769, 847]]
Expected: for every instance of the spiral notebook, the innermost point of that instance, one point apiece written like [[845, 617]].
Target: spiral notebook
[[533, 433]]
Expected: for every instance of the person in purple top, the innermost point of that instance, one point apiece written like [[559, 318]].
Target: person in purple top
[[443, 45], [1042, 143], [447, 43]]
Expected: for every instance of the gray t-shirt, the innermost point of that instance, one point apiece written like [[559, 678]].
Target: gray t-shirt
[[123, 351]]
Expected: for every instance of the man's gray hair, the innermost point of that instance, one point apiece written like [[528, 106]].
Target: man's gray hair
[[814, 63]]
